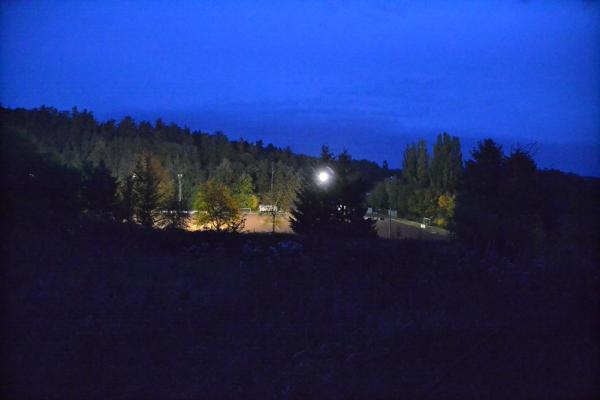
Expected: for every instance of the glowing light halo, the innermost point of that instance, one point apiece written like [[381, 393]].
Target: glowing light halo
[[323, 176]]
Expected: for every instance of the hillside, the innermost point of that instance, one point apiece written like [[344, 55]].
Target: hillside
[[75, 138]]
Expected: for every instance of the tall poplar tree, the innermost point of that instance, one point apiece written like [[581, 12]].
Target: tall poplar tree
[[409, 164], [422, 164], [446, 164]]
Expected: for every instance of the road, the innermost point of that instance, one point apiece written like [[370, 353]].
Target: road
[[405, 229]]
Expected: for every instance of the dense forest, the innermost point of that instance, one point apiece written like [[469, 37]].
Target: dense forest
[[76, 139]]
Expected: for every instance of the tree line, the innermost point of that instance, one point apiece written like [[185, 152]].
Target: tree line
[[65, 163], [74, 138], [151, 174], [427, 185], [493, 200]]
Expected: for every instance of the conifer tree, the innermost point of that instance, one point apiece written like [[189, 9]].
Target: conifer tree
[[326, 154], [152, 189], [313, 209], [126, 202], [498, 203], [98, 190], [337, 207]]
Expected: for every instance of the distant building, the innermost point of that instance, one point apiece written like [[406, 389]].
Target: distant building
[[267, 208]]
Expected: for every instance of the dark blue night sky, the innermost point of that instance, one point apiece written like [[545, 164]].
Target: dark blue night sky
[[366, 76]]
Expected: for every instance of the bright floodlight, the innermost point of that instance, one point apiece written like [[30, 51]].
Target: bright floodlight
[[323, 177]]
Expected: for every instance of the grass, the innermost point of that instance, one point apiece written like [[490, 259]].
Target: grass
[[95, 310]]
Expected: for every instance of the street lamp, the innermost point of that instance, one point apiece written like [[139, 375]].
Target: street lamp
[[324, 176]]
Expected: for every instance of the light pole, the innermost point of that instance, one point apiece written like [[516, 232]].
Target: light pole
[[273, 202], [389, 223], [179, 176], [129, 194]]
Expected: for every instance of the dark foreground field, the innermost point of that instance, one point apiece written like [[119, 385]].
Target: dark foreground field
[[99, 312]]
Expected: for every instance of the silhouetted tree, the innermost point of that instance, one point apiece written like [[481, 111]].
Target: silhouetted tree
[[126, 202], [483, 172], [477, 211], [570, 210], [337, 207], [520, 201], [326, 154], [35, 188], [311, 214], [99, 189], [499, 202], [152, 189], [378, 196]]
